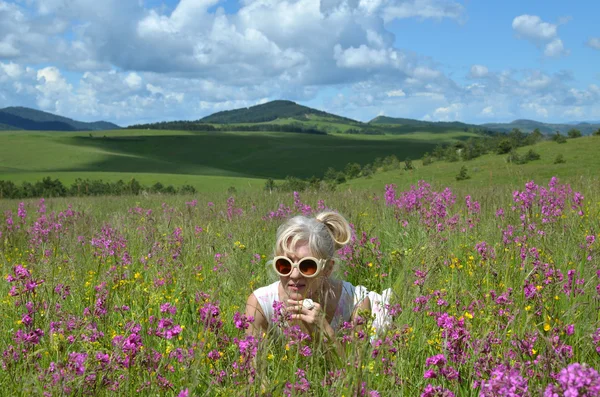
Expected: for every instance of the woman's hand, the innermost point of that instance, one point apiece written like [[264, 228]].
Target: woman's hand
[[314, 321], [313, 317]]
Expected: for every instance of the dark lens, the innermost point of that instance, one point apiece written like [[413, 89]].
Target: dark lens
[[308, 267], [283, 266]]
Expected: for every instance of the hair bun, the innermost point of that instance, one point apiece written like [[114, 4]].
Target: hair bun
[[338, 227]]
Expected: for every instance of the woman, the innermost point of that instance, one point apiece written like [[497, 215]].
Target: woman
[[304, 261]]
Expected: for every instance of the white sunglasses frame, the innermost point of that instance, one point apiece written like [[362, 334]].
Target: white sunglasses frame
[[320, 265]]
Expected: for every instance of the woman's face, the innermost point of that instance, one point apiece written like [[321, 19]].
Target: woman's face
[[295, 284]]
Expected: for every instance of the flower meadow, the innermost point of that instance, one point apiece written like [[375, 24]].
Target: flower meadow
[[494, 293]]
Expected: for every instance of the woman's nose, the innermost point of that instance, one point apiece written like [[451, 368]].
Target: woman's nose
[[295, 273]]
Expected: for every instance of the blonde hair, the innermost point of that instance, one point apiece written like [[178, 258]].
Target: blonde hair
[[324, 234]]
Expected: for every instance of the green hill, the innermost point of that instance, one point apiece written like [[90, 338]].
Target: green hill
[[545, 128], [268, 112], [401, 125], [493, 171], [22, 118]]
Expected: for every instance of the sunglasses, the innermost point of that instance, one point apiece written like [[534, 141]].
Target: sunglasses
[[308, 266]]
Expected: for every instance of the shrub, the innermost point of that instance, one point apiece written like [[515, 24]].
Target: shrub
[[451, 154], [558, 138], [597, 133], [270, 185], [504, 146], [293, 184], [169, 190], [330, 174], [531, 155], [559, 159], [352, 170], [157, 188], [427, 159], [187, 189], [513, 157], [534, 137], [367, 171], [340, 178], [574, 133], [314, 183], [408, 165], [462, 175]]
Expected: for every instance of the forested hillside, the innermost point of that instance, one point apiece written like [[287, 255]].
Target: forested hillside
[[22, 118]]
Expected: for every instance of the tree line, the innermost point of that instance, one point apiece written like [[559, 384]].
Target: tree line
[[198, 126], [49, 187]]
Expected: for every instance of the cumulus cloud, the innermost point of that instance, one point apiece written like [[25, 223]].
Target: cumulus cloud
[[451, 112], [395, 93], [366, 57], [478, 71], [532, 27], [554, 48], [594, 42], [128, 63], [435, 9], [542, 34], [133, 80]]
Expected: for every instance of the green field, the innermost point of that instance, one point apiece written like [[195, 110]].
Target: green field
[[208, 161], [581, 156], [216, 161]]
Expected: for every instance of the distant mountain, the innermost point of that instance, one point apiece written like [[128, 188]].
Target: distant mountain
[[419, 123], [545, 128], [524, 125], [268, 112], [22, 118]]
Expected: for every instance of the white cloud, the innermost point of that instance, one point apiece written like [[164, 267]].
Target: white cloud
[[478, 71], [533, 28], [395, 93], [448, 113], [11, 70], [127, 63], [594, 42], [434, 9], [366, 57], [575, 112], [487, 111], [425, 73], [542, 34], [536, 81], [537, 109], [555, 48], [52, 89], [133, 80]]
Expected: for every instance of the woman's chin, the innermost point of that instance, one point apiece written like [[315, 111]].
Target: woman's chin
[[296, 293]]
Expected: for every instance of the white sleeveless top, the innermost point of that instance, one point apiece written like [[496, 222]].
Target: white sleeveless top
[[350, 298]]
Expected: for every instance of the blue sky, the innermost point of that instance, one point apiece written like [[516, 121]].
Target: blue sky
[[151, 60]]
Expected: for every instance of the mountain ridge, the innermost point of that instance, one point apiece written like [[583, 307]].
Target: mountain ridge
[[269, 111], [24, 118], [296, 116]]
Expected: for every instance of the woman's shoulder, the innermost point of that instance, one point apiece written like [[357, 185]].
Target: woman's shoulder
[[267, 290], [358, 292]]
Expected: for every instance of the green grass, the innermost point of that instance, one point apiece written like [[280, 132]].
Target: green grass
[[581, 157], [215, 161], [157, 155], [173, 249]]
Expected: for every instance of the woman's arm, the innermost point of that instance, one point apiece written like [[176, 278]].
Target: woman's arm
[[260, 324], [363, 306]]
